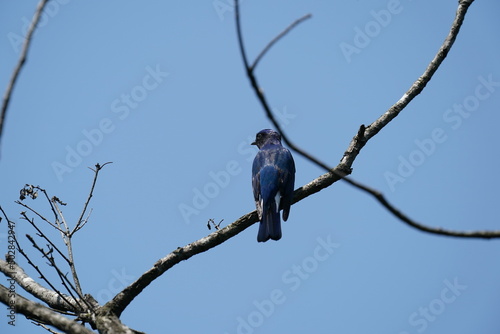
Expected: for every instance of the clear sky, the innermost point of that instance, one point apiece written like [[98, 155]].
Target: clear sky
[[158, 88]]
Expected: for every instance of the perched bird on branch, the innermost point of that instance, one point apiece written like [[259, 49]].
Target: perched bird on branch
[[273, 178]]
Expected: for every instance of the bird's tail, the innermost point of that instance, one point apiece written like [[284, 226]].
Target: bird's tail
[[270, 225]]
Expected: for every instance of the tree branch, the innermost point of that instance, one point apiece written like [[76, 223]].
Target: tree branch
[[66, 283], [12, 270], [39, 215], [277, 38], [42, 313], [417, 87], [81, 222], [50, 297], [40, 232], [118, 304], [366, 133], [20, 63]]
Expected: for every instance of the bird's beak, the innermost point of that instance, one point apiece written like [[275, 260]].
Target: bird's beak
[[254, 143]]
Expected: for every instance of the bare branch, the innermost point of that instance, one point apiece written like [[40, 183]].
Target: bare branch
[[50, 297], [64, 279], [66, 237], [277, 38], [42, 313], [109, 323], [365, 133], [20, 63], [55, 297], [80, 221], [39, 215], [41, 234], [78, 228], [29, 190], [62, 226], [260, 94], [47, 328], [51, 203], [123, 298], [79, 224], [417, 87], [211, 223], [64, 231]]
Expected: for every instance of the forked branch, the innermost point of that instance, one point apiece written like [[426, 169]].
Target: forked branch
[[366, 133]]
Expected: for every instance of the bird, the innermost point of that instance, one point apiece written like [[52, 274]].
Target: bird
[[273, 178]]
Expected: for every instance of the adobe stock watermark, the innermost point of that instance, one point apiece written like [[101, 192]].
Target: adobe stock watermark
[[11, 283], [454, 118], [220, 179], [50, 10], [222, 7], [119, 281], [291, 280], [120, 108], [425, 315], [364, 35]]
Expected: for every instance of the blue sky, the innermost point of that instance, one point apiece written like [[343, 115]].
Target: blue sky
[[159, 89]]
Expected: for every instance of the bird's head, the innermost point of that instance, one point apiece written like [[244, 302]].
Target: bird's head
[[267, 136]]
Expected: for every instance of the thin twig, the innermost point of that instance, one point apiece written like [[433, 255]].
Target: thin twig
[[39, 215], [64, 279], [77, 228], [66, 236], [364, 134], [212, 222], [56, 217], [51, 263], [20, 63], [48, 329], [41, 234], [277, 38], [259, 92], [98, 167]]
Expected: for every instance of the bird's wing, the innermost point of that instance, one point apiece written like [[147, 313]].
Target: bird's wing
[[287, 180], [257, 163]]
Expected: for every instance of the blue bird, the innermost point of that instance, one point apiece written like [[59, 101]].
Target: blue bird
[[273, 178]]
